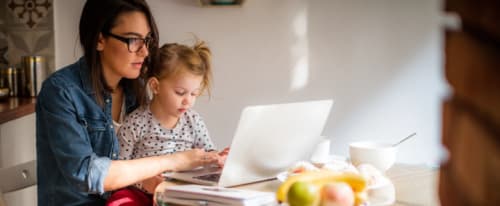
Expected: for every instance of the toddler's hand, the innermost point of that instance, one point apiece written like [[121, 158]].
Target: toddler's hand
[[191, 159], [222, 157], [224, 152]]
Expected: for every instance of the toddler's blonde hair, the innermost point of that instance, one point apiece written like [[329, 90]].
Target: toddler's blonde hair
[[173, 59]]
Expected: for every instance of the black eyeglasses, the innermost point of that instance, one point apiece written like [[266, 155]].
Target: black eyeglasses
[[134, 44]]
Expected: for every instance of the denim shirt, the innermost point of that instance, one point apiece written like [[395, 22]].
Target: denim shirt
[[75, 138]]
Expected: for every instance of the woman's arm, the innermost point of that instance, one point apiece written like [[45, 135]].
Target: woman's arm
[[123, 173]]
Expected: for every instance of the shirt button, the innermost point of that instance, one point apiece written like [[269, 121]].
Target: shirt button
[[114, 154], [107, 101], [111, 126]]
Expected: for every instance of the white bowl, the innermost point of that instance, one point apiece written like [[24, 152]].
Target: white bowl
[[378, 154]]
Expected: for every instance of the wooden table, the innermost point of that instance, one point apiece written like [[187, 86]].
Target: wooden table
[[415, 185]]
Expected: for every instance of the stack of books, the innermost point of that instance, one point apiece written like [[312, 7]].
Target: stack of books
[[214, 196]]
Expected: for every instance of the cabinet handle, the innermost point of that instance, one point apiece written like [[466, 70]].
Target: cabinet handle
[[25, 174], [451, 21]]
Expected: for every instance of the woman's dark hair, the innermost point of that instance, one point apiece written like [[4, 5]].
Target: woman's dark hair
[[100, 16]]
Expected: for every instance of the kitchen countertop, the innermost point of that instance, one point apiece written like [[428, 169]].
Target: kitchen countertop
[[16, 107]]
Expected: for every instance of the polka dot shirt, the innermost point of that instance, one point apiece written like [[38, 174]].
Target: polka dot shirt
[[141, 135]]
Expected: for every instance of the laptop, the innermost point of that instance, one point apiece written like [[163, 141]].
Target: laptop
[[268, 140]]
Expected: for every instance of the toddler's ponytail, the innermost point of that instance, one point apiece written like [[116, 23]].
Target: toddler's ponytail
[[201, 48]]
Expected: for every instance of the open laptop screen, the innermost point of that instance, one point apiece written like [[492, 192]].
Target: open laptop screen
[[270, 138]]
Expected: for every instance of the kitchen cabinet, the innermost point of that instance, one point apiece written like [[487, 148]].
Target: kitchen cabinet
[[17, 142], [28, 28], [17, 145]]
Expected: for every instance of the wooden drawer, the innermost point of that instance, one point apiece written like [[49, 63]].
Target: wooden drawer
[[473, 70], [471, 174]]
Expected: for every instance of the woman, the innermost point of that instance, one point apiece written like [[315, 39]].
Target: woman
[[80, 107]]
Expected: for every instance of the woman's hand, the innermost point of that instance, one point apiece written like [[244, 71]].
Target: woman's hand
[[150, 184], [191, 159]]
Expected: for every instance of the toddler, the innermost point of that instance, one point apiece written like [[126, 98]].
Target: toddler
[[167, 124]]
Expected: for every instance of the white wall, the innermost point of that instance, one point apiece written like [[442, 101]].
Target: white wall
[[66, 19], [380, 60]]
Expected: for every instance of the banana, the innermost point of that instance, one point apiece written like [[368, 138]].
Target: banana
[[357, 182], [320, 178]]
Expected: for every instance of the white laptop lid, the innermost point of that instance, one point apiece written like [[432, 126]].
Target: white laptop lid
[[271, 138]]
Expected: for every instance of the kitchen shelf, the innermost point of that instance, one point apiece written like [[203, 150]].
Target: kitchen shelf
[[212, 3], [16, 107]]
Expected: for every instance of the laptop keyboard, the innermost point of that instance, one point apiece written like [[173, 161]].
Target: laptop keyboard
[[209, 177]]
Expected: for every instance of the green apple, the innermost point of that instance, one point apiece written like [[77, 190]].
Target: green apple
[[303, 194]]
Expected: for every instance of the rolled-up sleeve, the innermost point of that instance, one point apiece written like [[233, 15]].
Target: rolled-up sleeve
[[98, 170]]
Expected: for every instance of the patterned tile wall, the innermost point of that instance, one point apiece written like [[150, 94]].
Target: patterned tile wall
[[26, 28]]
